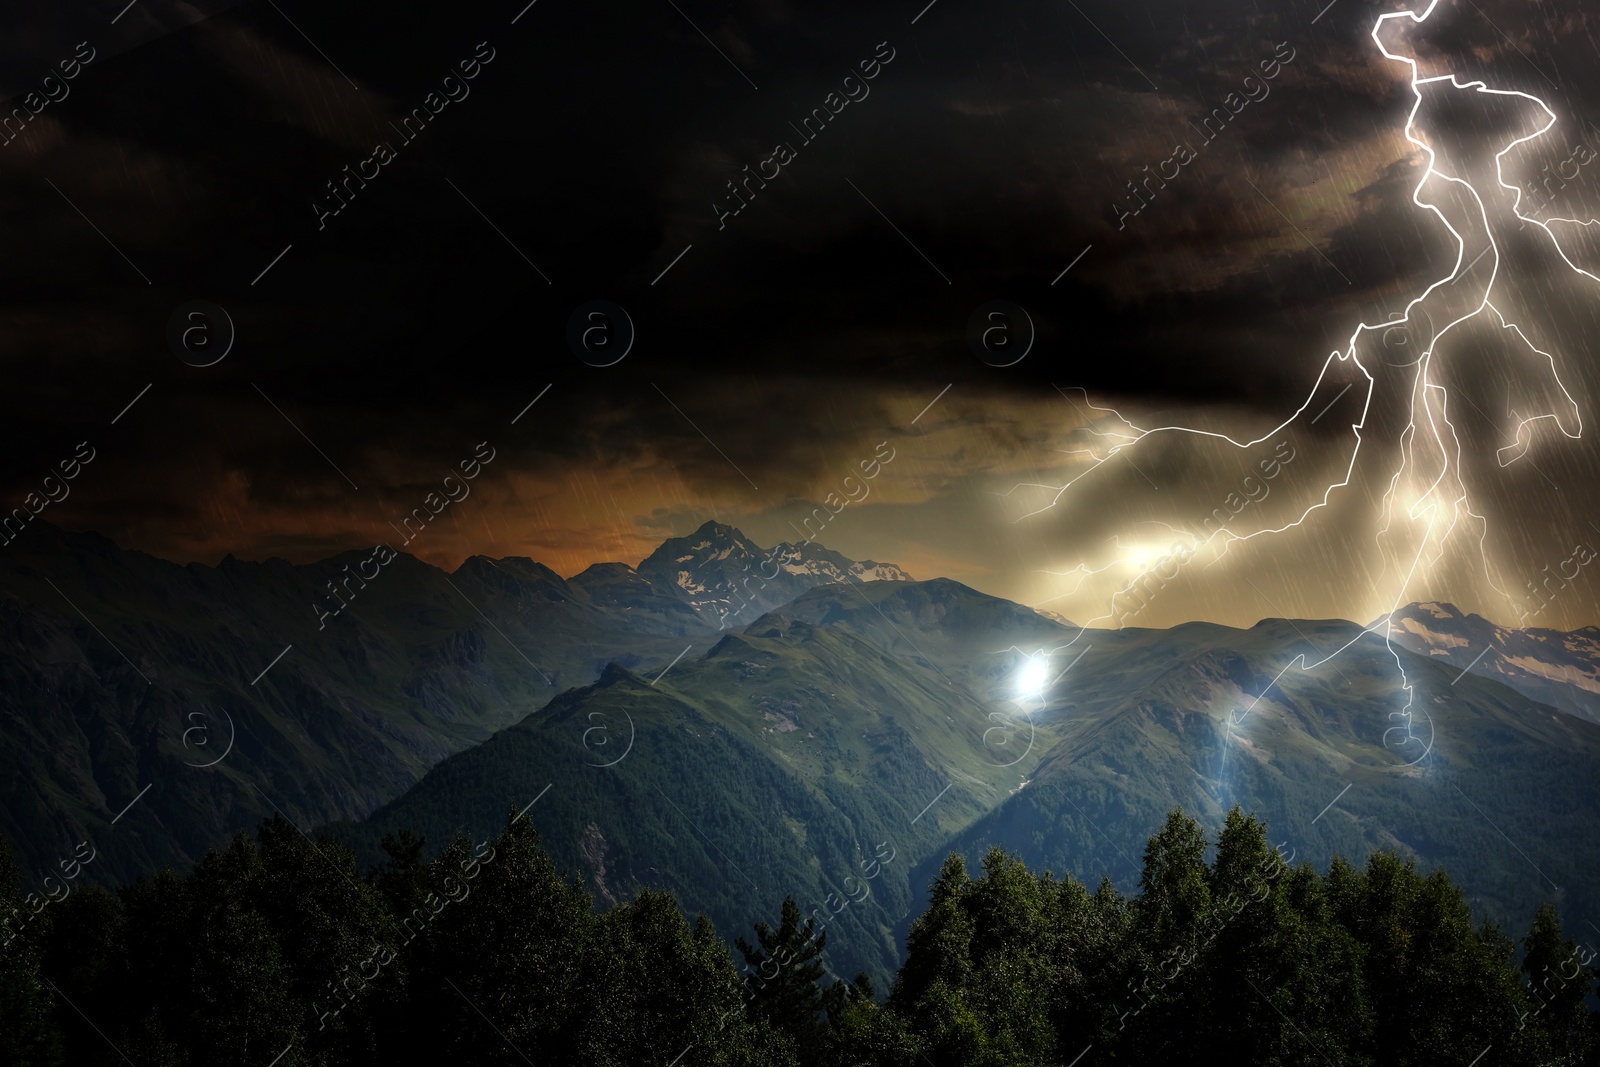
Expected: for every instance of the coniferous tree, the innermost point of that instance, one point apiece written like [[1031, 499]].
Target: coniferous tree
[[1556, 1025], [1175, 896], [938, 945], [782, 971], [492, 955], [1174, 884]]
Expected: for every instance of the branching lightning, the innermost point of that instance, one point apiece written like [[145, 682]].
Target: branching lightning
[[1428, 450]]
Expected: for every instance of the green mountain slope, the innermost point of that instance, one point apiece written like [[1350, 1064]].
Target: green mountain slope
[[210, 697], [829, 722], [789, 760], [832, 750], [1500, 790]]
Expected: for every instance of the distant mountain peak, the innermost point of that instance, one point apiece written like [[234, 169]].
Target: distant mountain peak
[[719, 531], [613, 674], [1056, 617], [1551, 666], [1437, 609], [810, 558], [728, 579], [609, 569]]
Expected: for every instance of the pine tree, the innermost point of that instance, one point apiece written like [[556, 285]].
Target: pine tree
[[1556, 1023], [1275, 965], [782, 972]]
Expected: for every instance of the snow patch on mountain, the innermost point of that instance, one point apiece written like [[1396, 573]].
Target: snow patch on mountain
[[869, 571], [726, 578], [1584, 677], [1548, 666], [1439, 641]]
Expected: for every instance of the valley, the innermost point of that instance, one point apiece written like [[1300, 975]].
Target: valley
[[833, 749]]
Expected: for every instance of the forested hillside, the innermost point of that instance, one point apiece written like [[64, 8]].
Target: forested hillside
[[886, 720], [322, 690], [279, 951]]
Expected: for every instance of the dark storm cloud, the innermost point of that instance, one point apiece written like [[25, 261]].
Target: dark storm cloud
[[35, 35], [410, 327]]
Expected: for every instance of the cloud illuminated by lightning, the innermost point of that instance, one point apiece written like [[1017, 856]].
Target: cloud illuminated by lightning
[[1426, 484]]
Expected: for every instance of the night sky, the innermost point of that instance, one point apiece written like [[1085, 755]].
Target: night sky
[[401, 206]]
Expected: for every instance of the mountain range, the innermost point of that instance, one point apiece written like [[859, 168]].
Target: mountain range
[[1556, 667], [779, 761], [126, 677], [739, 725]]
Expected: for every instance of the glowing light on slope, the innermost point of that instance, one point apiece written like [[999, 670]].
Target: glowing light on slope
[[1033, 676]]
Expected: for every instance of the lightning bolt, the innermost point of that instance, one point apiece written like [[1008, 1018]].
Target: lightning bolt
[[1428, 438]]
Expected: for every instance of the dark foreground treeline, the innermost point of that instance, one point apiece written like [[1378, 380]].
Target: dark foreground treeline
[[278, 952]]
